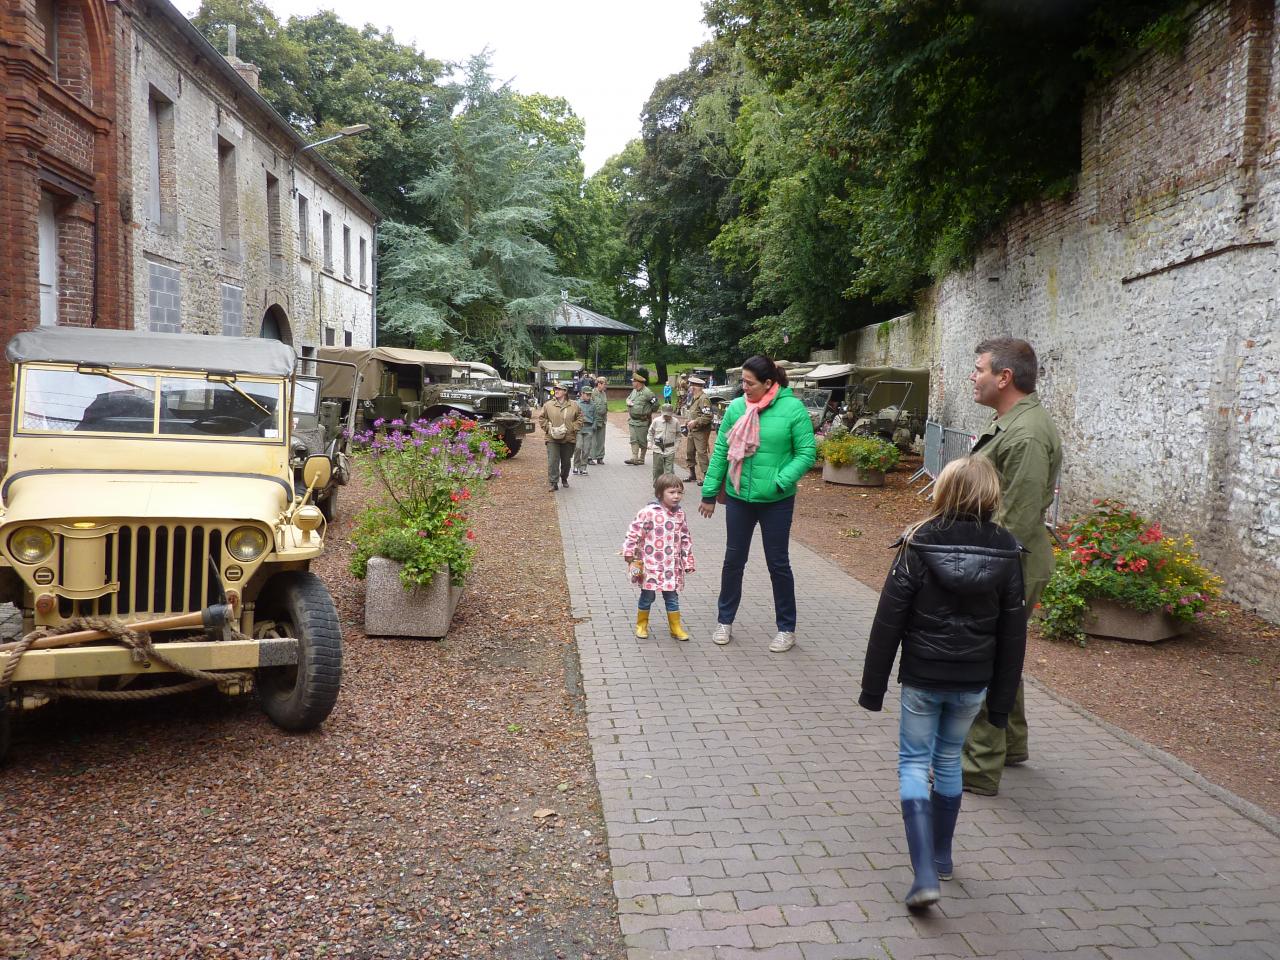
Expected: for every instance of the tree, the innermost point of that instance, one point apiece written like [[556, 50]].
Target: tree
[[473, 276], [322, 74]]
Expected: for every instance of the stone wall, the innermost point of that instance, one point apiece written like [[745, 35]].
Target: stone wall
[[228, 224], [1151, 296]]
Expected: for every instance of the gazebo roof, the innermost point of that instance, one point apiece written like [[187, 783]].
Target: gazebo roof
[[573, 319]]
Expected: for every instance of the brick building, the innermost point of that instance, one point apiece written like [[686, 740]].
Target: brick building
[[144, 183], [63, 255]]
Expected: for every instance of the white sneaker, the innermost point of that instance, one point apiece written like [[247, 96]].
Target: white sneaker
[[784, 641], [723, 634]]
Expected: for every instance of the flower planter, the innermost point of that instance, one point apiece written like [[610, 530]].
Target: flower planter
[[392, 611], [851, 475], [1107, 618]]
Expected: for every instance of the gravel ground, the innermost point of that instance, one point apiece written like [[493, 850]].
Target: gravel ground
[[408, 826], [1211, 698]]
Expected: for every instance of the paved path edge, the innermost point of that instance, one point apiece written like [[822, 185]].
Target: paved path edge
[[1246, 808]]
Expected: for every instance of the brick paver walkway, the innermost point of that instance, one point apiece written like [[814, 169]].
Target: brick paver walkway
[[752, 806]]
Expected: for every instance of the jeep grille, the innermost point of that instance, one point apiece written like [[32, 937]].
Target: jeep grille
[[492, 405], [162, 568]]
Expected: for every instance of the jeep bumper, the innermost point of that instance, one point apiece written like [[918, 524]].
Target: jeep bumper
[[111, 660]]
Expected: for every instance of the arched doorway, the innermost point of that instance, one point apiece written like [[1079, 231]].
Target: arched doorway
[[275, 325]]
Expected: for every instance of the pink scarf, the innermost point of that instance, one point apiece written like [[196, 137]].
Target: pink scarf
[[744, 436]]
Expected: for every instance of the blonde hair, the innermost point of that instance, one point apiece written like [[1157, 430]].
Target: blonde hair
[[968, 487]]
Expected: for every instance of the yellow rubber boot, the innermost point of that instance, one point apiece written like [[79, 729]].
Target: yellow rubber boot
[[677, 628], [642, 624]]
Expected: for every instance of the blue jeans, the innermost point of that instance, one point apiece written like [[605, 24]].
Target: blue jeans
[[669, 597], [740, 520], [931, 732]]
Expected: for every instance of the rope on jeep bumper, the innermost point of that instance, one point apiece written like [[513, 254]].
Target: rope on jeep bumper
[[141, 649]]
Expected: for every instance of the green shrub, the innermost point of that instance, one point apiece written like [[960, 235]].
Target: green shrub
[[865, 453]]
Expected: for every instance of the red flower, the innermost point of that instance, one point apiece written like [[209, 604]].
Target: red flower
[[471, 534]]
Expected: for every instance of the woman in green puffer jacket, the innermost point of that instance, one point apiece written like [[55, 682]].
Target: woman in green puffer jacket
[[764, 447]]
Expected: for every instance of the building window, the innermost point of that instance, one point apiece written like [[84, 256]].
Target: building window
[[346, 338], [346, 252], [275, 226], [162, 185], [308, 361], [165, 297], [364, 262], [228, 199], [304, 229], [329, 340], [47, 14], [48, 237], [232, 310], [326, 238]]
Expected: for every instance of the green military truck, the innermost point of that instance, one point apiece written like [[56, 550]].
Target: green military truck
[[397, 383]]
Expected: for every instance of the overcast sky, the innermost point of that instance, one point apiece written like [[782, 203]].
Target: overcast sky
[[603, 56]]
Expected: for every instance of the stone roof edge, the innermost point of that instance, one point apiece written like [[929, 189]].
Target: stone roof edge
[[241, 86]]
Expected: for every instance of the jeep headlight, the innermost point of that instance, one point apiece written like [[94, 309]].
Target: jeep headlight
[[30, 544], [246, 543]]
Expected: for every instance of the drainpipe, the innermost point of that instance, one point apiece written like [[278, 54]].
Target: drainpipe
[[373, 268], [97, 259]]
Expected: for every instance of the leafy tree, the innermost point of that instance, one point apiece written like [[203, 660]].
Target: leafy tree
[[942, 114], [322, 74], [473, 276]]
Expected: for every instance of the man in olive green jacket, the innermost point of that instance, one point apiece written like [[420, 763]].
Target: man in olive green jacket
[[560, 419], [1022, 442], [641, 403]]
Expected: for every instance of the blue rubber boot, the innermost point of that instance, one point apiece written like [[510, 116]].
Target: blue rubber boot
[[945, 812], [917, 816]]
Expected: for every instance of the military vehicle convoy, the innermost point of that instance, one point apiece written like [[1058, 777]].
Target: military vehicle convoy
[[149, 486], [390, 383]]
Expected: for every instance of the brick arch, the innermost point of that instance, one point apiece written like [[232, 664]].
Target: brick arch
[[275, 325]]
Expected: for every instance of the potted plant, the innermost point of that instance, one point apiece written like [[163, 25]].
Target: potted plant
[[414, 545], [856, 460], [1121, 576]]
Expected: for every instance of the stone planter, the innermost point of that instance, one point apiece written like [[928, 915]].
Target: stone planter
[[392, 611], [853, 476], [1106, 618]]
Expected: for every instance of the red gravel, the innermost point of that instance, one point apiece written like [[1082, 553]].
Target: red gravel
[[404, 828]]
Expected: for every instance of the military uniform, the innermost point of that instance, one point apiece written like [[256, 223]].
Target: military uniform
[[1025, 448], [600, 401], [641, 403], [664, 435], [700, 415]]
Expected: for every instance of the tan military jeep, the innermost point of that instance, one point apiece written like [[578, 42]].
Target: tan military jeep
[[149, 486]]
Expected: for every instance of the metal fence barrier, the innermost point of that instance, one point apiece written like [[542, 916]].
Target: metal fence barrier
[[932, 452], [947, 444]]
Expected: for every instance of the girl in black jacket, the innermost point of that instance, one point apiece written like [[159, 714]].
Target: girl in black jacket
[[953, 600]]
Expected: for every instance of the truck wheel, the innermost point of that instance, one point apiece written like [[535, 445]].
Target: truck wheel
[[513, 441], [329, 505], [299, 697]]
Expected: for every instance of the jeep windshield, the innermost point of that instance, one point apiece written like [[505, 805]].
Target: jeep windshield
[[88, 399]]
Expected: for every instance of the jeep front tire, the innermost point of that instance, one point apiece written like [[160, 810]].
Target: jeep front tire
[[299, 697]]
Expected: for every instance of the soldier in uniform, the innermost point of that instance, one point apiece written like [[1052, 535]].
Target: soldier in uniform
[[641, 403], [599, 400], [664, 436], [698, 412], [1023, 444]]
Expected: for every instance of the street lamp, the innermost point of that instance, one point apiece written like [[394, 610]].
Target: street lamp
[[351, 131]]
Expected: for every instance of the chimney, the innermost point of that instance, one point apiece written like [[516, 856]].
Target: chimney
[[248, 71]]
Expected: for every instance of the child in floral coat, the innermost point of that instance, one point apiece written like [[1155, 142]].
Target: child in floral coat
[[659, 551]]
